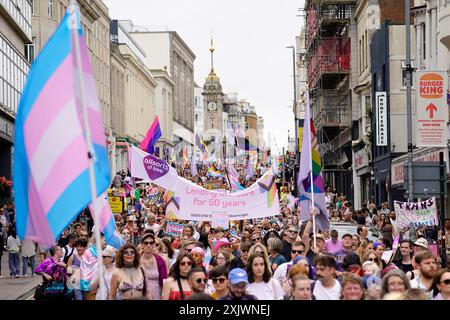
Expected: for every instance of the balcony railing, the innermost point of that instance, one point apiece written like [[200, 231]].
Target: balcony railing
[[332, 109], [332, 56], [20, 12]]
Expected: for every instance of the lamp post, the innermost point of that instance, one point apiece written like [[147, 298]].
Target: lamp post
[[295, 120]]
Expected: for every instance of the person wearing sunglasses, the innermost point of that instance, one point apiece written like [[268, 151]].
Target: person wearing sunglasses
[[244, 248], [256, 237], [218, 277], [129, 278], [154, 266], [291, 234], [281, 273], [441, 285], [176, 286], [197, 280], [109, 257]]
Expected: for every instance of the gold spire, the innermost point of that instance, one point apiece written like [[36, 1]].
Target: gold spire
[[212, 54]]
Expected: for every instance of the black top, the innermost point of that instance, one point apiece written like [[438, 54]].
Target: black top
[[286, 250]]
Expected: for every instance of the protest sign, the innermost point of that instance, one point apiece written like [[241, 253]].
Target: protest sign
[[116, 204], [174, 228], [416, 214]]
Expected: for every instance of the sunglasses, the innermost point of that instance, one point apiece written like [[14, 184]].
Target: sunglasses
[[297, 251], [186, 263], [148, 243], [372, 259], [219, 280], [188, 250], [446, 281], [106, 257], [201, 280], [293, 231], [244, 251], [129, 252], [256, 239]]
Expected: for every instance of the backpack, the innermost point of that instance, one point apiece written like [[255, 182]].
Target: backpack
[[67, 255]]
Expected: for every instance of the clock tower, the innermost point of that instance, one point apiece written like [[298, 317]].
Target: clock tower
[[213, 104]]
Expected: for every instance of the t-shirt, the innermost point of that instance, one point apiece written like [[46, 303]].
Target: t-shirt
[[271, 290], [416, 283], [332, 247], [322, 293], [340, 258]]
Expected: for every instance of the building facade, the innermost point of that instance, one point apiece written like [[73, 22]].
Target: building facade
[[328, 58], [15, 43], [166, 49], [139, 107]]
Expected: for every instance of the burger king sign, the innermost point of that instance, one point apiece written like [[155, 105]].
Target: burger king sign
[[432, 109]]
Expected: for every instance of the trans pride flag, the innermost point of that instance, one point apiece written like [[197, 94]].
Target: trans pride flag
[[233, 178], [107, 223], [51, 164], [310, 161], [153, 134]]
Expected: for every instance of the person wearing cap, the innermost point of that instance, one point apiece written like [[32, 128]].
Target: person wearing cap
[[237, 286], [346, 241], [154, 266], [198, 254], [379, 248]]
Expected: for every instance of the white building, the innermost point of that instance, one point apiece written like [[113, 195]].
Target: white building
[[199, 112], [166, 49]]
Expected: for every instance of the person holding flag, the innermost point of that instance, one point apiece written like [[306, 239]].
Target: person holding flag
[[310, 179]]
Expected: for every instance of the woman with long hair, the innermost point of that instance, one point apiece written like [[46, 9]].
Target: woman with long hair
[[176, 286], [365, 248], [169, 251], [261, 249], [441, 285], [259, 276], [129, 278]]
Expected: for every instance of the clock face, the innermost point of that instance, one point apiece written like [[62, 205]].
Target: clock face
[[212, 106]]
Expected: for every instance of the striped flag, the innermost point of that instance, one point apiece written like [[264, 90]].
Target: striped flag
[[214, 172], [107, 222], [194, 165], [153, 134], [310, 161], [233, 178], [201, 145], [51, 164]]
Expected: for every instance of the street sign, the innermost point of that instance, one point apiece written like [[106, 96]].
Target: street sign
[[432, 109], [426, 179], [381, 119]]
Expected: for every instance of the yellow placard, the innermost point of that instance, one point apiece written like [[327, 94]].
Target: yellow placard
[[116, 204]]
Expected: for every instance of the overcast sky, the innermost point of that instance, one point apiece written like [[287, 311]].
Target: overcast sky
[[250, 39]]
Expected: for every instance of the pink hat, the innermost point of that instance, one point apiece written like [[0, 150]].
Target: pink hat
[[199, 251], [220, 243]]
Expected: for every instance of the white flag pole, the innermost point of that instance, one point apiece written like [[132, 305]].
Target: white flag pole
[[74, 8], [310, 167]]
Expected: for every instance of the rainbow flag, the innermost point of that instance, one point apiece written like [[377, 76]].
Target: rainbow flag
[[214, 172], [153, 134], [268, 183], [311, 164], [51, 163]]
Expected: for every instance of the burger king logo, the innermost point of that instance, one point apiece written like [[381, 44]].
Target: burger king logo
[[431, 86]]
